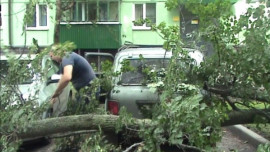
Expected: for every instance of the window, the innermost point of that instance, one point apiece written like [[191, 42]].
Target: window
[[142, 12], [0, 15], [39, 17], [252, 1], [93, 11]]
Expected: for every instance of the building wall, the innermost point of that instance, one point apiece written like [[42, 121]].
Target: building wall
[[146, 37], [3, 32], [19, 38]]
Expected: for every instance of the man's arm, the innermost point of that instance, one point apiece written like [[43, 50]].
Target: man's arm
[[65, 79]]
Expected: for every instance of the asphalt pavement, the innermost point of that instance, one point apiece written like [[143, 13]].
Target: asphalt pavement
[[241, 139]]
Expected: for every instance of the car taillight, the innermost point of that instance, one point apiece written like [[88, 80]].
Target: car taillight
[[113, 107]]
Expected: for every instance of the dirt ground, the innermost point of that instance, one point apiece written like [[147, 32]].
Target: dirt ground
[[231, 142], [228, 143]]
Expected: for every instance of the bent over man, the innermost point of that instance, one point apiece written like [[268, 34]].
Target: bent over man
[[74, 68]]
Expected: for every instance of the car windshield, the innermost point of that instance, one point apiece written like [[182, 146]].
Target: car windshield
[[137, 74]]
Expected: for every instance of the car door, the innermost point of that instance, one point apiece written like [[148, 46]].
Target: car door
[[48, 86], [25, 89], [96, 59]]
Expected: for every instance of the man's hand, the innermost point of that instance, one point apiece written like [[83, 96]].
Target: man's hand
[[53, 100], [63, 82]]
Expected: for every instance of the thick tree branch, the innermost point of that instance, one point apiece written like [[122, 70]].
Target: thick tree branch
[[61, 135], [58, 15], [69, 6], [51, 126], [245, 117], [189, 148], [231, 103], [225, 91], [221, 90], [65, 124], [132, 146]]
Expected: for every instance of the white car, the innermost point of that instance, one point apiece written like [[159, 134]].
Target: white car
[[48, 86], [35, 87], [25, 90], [130, 90], [51, 78]]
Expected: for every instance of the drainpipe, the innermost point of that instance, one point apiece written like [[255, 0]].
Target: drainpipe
[[9, 23]]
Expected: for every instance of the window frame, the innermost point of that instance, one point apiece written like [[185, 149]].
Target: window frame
[[37, 16], [144, 26], [85, 10], [252, 1], [1, 17]]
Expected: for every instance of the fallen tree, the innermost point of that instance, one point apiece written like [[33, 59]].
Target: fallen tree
[[237, 67], [51, 126]]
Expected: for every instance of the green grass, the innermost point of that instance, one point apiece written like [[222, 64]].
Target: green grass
[[261, 129]]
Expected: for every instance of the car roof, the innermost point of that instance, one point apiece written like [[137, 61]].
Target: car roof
[[98, 54], [155, 51], [18, 56], [144, 51]]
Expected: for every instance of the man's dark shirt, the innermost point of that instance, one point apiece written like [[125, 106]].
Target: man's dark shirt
[[82, 72]]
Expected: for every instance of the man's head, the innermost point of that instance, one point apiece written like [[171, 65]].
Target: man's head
[[58, 51], [55, 57], [55, 53]]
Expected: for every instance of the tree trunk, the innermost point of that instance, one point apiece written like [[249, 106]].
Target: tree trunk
[[246, 117], [58, 14], [51, 126]]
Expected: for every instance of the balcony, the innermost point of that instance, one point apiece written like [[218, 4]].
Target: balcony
[[92, 36]]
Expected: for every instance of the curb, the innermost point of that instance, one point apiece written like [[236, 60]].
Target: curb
[[248, 135]]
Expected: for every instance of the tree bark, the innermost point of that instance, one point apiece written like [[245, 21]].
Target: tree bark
[[246, 117], [224, 91], [58, 15], [51, 126]]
